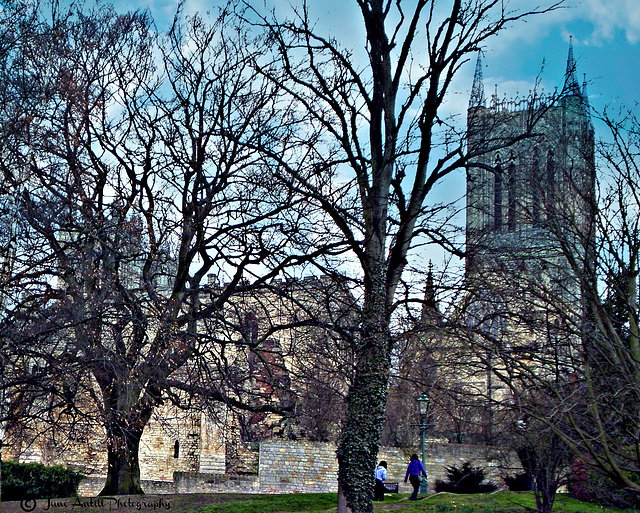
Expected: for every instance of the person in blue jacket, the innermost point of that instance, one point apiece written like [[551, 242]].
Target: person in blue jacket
[[414, 470], [380, 475]]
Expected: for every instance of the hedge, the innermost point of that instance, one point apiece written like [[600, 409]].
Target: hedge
[[22, 481]]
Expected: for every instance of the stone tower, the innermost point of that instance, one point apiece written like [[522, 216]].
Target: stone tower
[[532, 179]]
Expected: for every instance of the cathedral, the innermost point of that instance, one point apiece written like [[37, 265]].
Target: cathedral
[[529, 247], [529, 237], [532, 175]]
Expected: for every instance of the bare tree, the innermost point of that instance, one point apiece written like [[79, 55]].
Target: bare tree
[[16, 26], [603, 426], [375, 124], [135, 181]]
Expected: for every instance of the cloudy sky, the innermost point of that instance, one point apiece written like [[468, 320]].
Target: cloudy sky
[[605, 36], [606, 39]]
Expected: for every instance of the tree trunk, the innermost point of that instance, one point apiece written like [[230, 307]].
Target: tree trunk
[[360, 440], [545, 492], [342, 502], [123, 466]]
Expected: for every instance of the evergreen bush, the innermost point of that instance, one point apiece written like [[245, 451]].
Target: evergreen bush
[[465, 479], [22, 481]]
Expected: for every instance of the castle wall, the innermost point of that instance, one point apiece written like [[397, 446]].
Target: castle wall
[[295, 467], [200, 445], [173, 441], [313, 467]]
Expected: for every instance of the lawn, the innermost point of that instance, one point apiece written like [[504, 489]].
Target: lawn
[[501, 502]]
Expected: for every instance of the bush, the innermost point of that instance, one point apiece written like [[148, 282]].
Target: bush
[[592, 486], [519, 482], [466, 479], [22, 481]]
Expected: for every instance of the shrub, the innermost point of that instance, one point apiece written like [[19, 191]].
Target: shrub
[[466, 479], [592, 486], [519, 482], [36, 481]]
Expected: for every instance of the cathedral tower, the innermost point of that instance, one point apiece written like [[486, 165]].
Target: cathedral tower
[[529, 239], [532, 176]]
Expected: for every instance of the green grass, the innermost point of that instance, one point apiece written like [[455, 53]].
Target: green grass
[[289, 503], [501, 502]]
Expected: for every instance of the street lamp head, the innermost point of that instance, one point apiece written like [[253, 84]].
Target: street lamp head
[[423, 405]]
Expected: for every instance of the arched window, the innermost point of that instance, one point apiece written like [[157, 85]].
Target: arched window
[[176, 449], [511, 196], [535, 184], [497, 196]]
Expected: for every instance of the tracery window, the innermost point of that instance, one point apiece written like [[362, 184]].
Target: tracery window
[[511, 196], [497, 195]]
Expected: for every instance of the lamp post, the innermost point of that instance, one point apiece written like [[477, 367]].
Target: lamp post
[[423, 409]]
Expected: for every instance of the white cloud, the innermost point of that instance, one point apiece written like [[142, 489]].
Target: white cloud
[[607, 18], [611, 16]]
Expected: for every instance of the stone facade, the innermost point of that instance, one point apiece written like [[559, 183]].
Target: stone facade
[[180, 442], [530, 199], [211, 438], [529, 243]]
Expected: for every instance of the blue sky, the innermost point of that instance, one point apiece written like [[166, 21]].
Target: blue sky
[[605, 36], [606, 39]]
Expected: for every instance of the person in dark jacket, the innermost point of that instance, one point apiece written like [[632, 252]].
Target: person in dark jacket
[[414, 470], [380, 475]]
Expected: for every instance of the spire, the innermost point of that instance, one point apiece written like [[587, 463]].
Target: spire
[[571, 86], [585, 101], [430, 290], [477, 98], [430, 313]]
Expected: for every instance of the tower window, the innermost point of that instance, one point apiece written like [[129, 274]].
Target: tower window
[[497, 197], [535, 190], [551, 171], [511, 197], [551, 180], [176, 449]]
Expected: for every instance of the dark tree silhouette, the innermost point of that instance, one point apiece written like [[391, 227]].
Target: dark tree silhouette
[[372, 121]]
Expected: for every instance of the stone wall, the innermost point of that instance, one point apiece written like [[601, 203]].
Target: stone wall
[[290, 467], [313, 467], [495, 460], [183, 482], [293, 467], [176, 441]]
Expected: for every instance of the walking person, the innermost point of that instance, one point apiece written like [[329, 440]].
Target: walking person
[[414, 470], [380, 475]]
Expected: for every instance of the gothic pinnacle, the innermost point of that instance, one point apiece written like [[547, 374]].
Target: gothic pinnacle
[[477, 98]]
